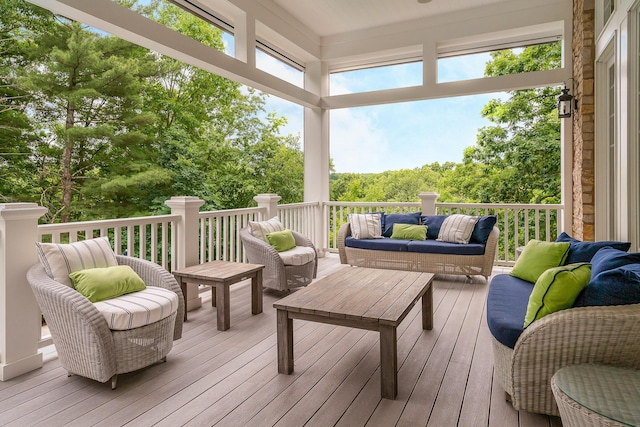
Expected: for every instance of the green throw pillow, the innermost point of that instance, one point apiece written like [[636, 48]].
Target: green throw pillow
[[557, 289], [98, 284], [281, 240], [409, 232], [537, 257]]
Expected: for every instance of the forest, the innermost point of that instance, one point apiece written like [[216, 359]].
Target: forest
[[95, 127]]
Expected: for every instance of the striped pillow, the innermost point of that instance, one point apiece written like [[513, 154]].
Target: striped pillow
[[260, 229], [457, 228], [60, 260], [366, 226]]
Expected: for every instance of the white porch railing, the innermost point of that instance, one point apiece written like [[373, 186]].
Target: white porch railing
[[151, 237], [220, 233]]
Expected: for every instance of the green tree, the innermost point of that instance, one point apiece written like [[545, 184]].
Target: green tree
[[517, 159]]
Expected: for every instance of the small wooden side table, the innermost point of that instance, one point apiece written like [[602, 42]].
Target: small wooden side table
[[220, 275]]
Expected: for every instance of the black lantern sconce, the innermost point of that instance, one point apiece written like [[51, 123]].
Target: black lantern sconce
[[566, 103]]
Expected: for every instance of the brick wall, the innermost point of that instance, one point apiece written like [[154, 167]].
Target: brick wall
[[583, 226]]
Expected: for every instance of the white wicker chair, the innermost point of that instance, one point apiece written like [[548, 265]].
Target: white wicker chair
[[276, 274], [85, 344]]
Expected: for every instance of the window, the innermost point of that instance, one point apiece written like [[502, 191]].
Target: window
[[609, 7], [270, 62], [376, 78], [611, 141]]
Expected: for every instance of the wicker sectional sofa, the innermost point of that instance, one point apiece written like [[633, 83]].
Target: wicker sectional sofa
[[601, 327], [442, 259]]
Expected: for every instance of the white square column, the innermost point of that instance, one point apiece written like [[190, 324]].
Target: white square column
[[20, 317]]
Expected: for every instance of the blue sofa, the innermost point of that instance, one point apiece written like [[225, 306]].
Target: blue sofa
[[602, 327], [430, 255]]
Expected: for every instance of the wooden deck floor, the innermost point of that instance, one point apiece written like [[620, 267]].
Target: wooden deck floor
[[230, 378]]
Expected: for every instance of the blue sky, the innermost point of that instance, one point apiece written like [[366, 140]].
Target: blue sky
[[396, 136]]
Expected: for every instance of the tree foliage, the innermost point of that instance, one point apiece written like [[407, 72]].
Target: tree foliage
[[106, 128]]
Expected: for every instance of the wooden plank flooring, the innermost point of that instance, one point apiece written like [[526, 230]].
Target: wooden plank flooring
[[445, 376]]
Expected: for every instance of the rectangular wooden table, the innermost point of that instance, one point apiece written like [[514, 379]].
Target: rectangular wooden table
[[364, 298], [220, 275]]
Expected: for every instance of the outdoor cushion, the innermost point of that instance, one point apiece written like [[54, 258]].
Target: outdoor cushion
[[507, 301], [366, 226], [556, 289], [390, 219], [281, 240], [483, 228], [409, 232], [537, 257], [457, 228], [619, 286], [99, 284], [609, 258], [59, 260], [138, 308], [437, 247], [385, 244], [433, 223], [260, 229], [300, 255], [583, 251]]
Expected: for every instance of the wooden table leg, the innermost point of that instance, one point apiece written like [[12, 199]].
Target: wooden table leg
[[223, 309], [427, 309], [183, 288], [285, 342], [388, 362], [213, 295], [256, 293]]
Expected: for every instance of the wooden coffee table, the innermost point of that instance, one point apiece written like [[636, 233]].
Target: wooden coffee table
[[220, 275], [364, 298]]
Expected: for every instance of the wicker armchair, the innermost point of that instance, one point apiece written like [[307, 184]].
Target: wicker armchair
[[85, 344], [605, 335], [276, 274]]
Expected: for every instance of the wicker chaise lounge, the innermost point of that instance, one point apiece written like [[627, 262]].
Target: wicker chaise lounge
[[438, 263]]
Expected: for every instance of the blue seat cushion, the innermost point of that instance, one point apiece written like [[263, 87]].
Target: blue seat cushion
[[507, 302], [437, 247], [583, 251], [385, 244], [620, 286]]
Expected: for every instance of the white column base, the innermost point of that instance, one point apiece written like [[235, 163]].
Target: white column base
[[19, 367], [193, 297]]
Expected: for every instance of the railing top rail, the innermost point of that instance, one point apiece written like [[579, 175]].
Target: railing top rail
[[230, 211], [501, 205], [108, 222], [297, 205], [372, 204]]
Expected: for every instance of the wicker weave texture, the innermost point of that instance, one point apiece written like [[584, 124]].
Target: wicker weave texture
[[277, 275], [85, 344], [597, 395], [467, 265], [603, 335]]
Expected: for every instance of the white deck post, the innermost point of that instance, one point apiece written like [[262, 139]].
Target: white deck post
[[20, 321], [429, 200], [270, 202], [188, 236]]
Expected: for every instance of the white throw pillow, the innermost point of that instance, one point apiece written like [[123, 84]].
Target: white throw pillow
[[366, 226], [457, 228], [60, 260], [260, 229]]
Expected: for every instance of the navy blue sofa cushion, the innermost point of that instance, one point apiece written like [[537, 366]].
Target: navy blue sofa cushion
[[390, 219], [483, 228], [619, 286], [436, 247], [385, 244], [507, 302], [583, 251], [609, 258], [433, 223]]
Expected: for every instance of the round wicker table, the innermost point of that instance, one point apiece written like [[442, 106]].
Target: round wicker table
[[597, 395]]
